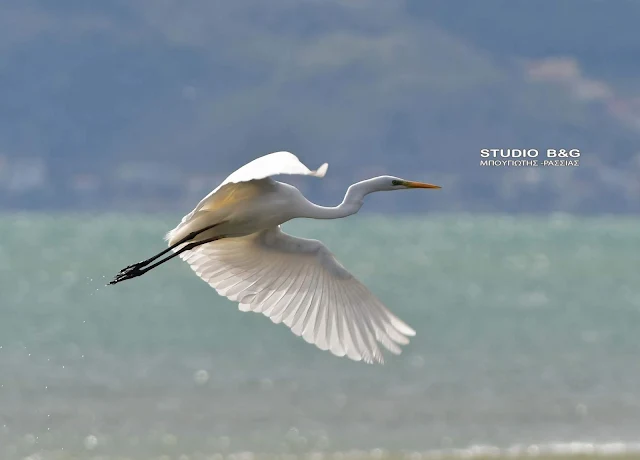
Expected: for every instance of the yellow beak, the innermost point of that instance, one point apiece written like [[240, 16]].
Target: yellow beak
[[420, 185]]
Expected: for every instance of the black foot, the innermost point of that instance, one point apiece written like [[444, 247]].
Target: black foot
[[135, 266], [129, 272]]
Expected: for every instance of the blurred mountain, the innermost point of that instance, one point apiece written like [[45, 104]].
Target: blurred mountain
[[147, 104]]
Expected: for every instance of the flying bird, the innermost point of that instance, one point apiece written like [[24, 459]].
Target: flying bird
[[233, 241]]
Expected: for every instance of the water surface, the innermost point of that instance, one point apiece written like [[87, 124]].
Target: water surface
[[527, 333]]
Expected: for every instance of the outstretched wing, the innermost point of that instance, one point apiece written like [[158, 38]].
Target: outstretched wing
[[300, 283], [272, 165]]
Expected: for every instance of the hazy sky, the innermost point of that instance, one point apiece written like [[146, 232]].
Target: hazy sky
[[406, 88]]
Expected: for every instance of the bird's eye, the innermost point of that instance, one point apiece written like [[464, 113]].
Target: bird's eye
[[396, 182]]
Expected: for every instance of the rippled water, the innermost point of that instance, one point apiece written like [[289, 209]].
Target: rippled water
[[527, 335]]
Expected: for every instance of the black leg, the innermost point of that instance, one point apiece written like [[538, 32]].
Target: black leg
[[190, 236], [136, 271]]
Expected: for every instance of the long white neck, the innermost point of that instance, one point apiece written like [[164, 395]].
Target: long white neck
[[351, 203]]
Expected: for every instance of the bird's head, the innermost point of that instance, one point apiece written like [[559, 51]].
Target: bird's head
[[384, 183]]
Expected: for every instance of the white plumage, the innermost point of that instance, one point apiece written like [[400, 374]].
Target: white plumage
[[233, 241], [300, 283], [261, 168]]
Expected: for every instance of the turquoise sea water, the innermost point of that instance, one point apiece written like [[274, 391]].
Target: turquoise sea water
[[527, 334]]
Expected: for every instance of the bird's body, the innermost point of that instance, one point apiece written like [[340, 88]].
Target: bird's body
[[233, 241], [241, 209]]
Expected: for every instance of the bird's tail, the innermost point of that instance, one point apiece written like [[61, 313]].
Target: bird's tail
[[196, 222]]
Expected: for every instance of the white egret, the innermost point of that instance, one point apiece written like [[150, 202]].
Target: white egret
[[233, 241]]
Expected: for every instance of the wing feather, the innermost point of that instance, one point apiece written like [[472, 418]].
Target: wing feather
[[296, 319], [272, 165], [309, 329], [353, 349], [300, 283], [293, 305], [366, 332], [300, 318]]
